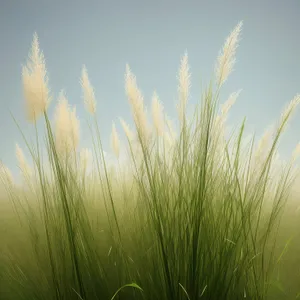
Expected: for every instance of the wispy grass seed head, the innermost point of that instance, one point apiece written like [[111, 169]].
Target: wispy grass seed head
[[35, 83], [137, 103], [5, 175], [157, 115], [288, 111], [221, 119], [88, 92], [127, 130], [67, 127], [115, 142], [23, 165], [184, 78], [226, 59], [263, 146], [230, 102]]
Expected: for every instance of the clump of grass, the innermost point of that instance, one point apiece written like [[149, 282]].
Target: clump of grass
[[187, 216]]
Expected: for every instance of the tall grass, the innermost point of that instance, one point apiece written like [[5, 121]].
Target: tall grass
[[188, 215]]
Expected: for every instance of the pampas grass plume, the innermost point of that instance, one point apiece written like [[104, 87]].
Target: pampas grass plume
[[288, 111], [157, 115], [226, 59], [35, 83], [184, 78], [88, 92], [66, 127], [23, 165], [115, 142], [137, 104], [129, 133], [5, 175]]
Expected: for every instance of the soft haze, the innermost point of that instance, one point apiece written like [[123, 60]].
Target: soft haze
[[151, 36]]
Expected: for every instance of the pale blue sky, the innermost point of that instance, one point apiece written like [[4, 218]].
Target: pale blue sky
[[151, 36]]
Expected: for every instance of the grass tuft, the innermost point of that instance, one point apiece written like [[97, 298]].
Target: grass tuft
[[189, 214]]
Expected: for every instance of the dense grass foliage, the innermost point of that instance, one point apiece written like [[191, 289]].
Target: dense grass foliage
[[189, 214]]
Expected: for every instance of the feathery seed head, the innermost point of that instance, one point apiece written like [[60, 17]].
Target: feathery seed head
[[263, 145], [66, 127], [136, 102], [220, 120], [226, 59], [229, 103], [127, 130], [35, 83], [184, 86], [157, 115], [24, 167], [5, 175], [288, 111], [115, 142], [88, 92]]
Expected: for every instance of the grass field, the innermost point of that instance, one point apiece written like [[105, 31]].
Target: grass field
[[187, 213]]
